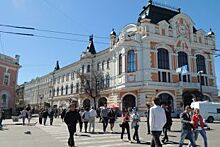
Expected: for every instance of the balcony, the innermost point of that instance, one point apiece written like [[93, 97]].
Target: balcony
[[189, 85], [162, 84]]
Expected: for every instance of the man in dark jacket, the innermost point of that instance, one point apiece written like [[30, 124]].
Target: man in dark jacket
[[186, 127], [71, 118], [168, 123]]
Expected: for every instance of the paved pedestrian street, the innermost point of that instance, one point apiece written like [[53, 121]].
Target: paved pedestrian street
[[97, 139], [15, 135]]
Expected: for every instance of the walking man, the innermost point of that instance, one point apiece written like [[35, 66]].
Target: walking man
[[45, 114], [92, 114], [111, 116], [186, 127], [71, 118], [51, 115], [104, 115], [157, 121], [167, 125]]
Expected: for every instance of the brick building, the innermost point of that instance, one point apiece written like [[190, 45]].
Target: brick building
[[8, 80]]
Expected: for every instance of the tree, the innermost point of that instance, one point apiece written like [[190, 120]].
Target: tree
[[92, 83]]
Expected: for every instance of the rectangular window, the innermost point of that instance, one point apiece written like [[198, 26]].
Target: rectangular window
[[108, 62], [184, 78], [77, 87], [58, 80], [180, 77], [98, 66], [164, 77], [63, 77], [202, 80], [163, 32], [168, 77], [6, 79], [159, 79], [67, 76], [103, 65], [206, 81], [72, 76]]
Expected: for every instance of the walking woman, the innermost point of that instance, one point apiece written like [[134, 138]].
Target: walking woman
[[198, 125], [135, 124], [111, 116], [125, 124]]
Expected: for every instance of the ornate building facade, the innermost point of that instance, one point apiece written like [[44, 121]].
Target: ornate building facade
[[8, 80], [141, 63]]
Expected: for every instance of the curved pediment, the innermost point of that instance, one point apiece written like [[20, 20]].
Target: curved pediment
[[182, 16], [129, 28]]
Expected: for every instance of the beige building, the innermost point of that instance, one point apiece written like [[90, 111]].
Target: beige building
[[141, 63]]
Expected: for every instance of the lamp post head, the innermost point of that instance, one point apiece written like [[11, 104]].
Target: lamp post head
[[200, 72]]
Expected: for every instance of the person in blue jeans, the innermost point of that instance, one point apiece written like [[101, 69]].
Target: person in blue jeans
[[186, 127], [198, 125], [135, 124]]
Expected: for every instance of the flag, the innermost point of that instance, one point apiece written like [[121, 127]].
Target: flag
[[183, 70]]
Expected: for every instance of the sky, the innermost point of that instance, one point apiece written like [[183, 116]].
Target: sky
[[81, 18]]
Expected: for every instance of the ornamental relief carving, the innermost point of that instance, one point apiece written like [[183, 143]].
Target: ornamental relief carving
[[183, 28]]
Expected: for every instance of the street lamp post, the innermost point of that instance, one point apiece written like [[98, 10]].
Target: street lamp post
[[200, 80]]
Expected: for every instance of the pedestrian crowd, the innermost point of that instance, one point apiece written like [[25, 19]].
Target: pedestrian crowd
[[159, 121], [158, 117]]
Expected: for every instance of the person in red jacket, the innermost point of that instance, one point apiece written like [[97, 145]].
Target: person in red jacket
[[198, 125]]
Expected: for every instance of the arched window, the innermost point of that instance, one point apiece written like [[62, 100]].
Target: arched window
[[108, 62], [54, 92], [58, 91], [131, 61], [71, 87], [4, 101], [66, 89], [50, 93], [200, 63], [103, 65], [107, 81], [77, 87], [97, 84], [163, 59], [102, 82], [167, 99], [83, 68], [163, 63], [88, 68], [183, 60], [120, 64], [62, 90], [98, 66]]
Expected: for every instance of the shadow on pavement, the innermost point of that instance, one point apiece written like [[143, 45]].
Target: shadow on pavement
[[3, 129]]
